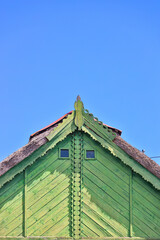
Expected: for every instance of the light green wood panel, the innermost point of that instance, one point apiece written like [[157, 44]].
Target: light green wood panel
[[146, 209], [48, 193], [105, 205], [11, 207]]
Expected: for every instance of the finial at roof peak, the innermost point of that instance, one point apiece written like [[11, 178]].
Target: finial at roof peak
[[78, 105], [78, 98]]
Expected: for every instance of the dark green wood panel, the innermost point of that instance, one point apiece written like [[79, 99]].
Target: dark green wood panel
[[146, 209], [105, 208], [74, 197], [11, 207], [48, 193]]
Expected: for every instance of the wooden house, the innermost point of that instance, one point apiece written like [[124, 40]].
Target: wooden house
[[77, 178]]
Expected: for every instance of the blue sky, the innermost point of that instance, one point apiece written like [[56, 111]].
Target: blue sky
[[106, 51]]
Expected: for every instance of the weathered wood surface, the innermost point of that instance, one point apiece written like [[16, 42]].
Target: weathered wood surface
[[39, 139], [77, 198]]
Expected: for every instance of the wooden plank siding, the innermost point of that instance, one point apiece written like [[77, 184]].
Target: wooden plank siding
[[146, 208], [37, 203], [11, 207], [76, 198], [105, 194]]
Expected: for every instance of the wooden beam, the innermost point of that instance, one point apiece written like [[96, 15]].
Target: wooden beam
[[25, 204], [68, 238], [131, 204]]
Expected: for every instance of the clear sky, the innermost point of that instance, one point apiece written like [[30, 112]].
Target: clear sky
[[106, 51]]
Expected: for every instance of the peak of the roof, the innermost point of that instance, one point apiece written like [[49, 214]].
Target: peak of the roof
[[78, 98], [79, 110], [107, 136], [59, 120]]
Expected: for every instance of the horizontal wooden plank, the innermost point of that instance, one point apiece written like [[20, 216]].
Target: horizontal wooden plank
[[68, 238]]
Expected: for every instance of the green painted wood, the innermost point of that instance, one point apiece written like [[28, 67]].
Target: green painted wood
[[90, 238], [49, 193], [103, 190], [25, 204], [119, 153], [59, 129], [131, 204], [98, 127], [77, 198], [146, 209], [107, 229], [77, 148], [11, 208], [79, 108], [107, 159], [107, 186], [59, 136], [114, 225], [109, 194]]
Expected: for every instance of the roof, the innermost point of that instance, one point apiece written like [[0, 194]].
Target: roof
[[87, 124], [50, 126]]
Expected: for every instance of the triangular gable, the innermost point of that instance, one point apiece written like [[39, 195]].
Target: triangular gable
[[85, 122]]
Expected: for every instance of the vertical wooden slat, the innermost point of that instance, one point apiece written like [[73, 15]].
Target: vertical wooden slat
[[76, 184], [131, 204], [25, 204]]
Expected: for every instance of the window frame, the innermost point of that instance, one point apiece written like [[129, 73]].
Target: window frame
[[60, 153], [95, 154]]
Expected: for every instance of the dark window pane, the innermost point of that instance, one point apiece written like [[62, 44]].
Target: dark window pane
[[64, 152], [90, 154]]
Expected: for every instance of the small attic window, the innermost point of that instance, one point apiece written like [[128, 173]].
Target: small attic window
[[64, 153], [90, 154]]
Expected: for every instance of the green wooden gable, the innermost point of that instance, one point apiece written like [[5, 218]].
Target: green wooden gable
[[79, 185]]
